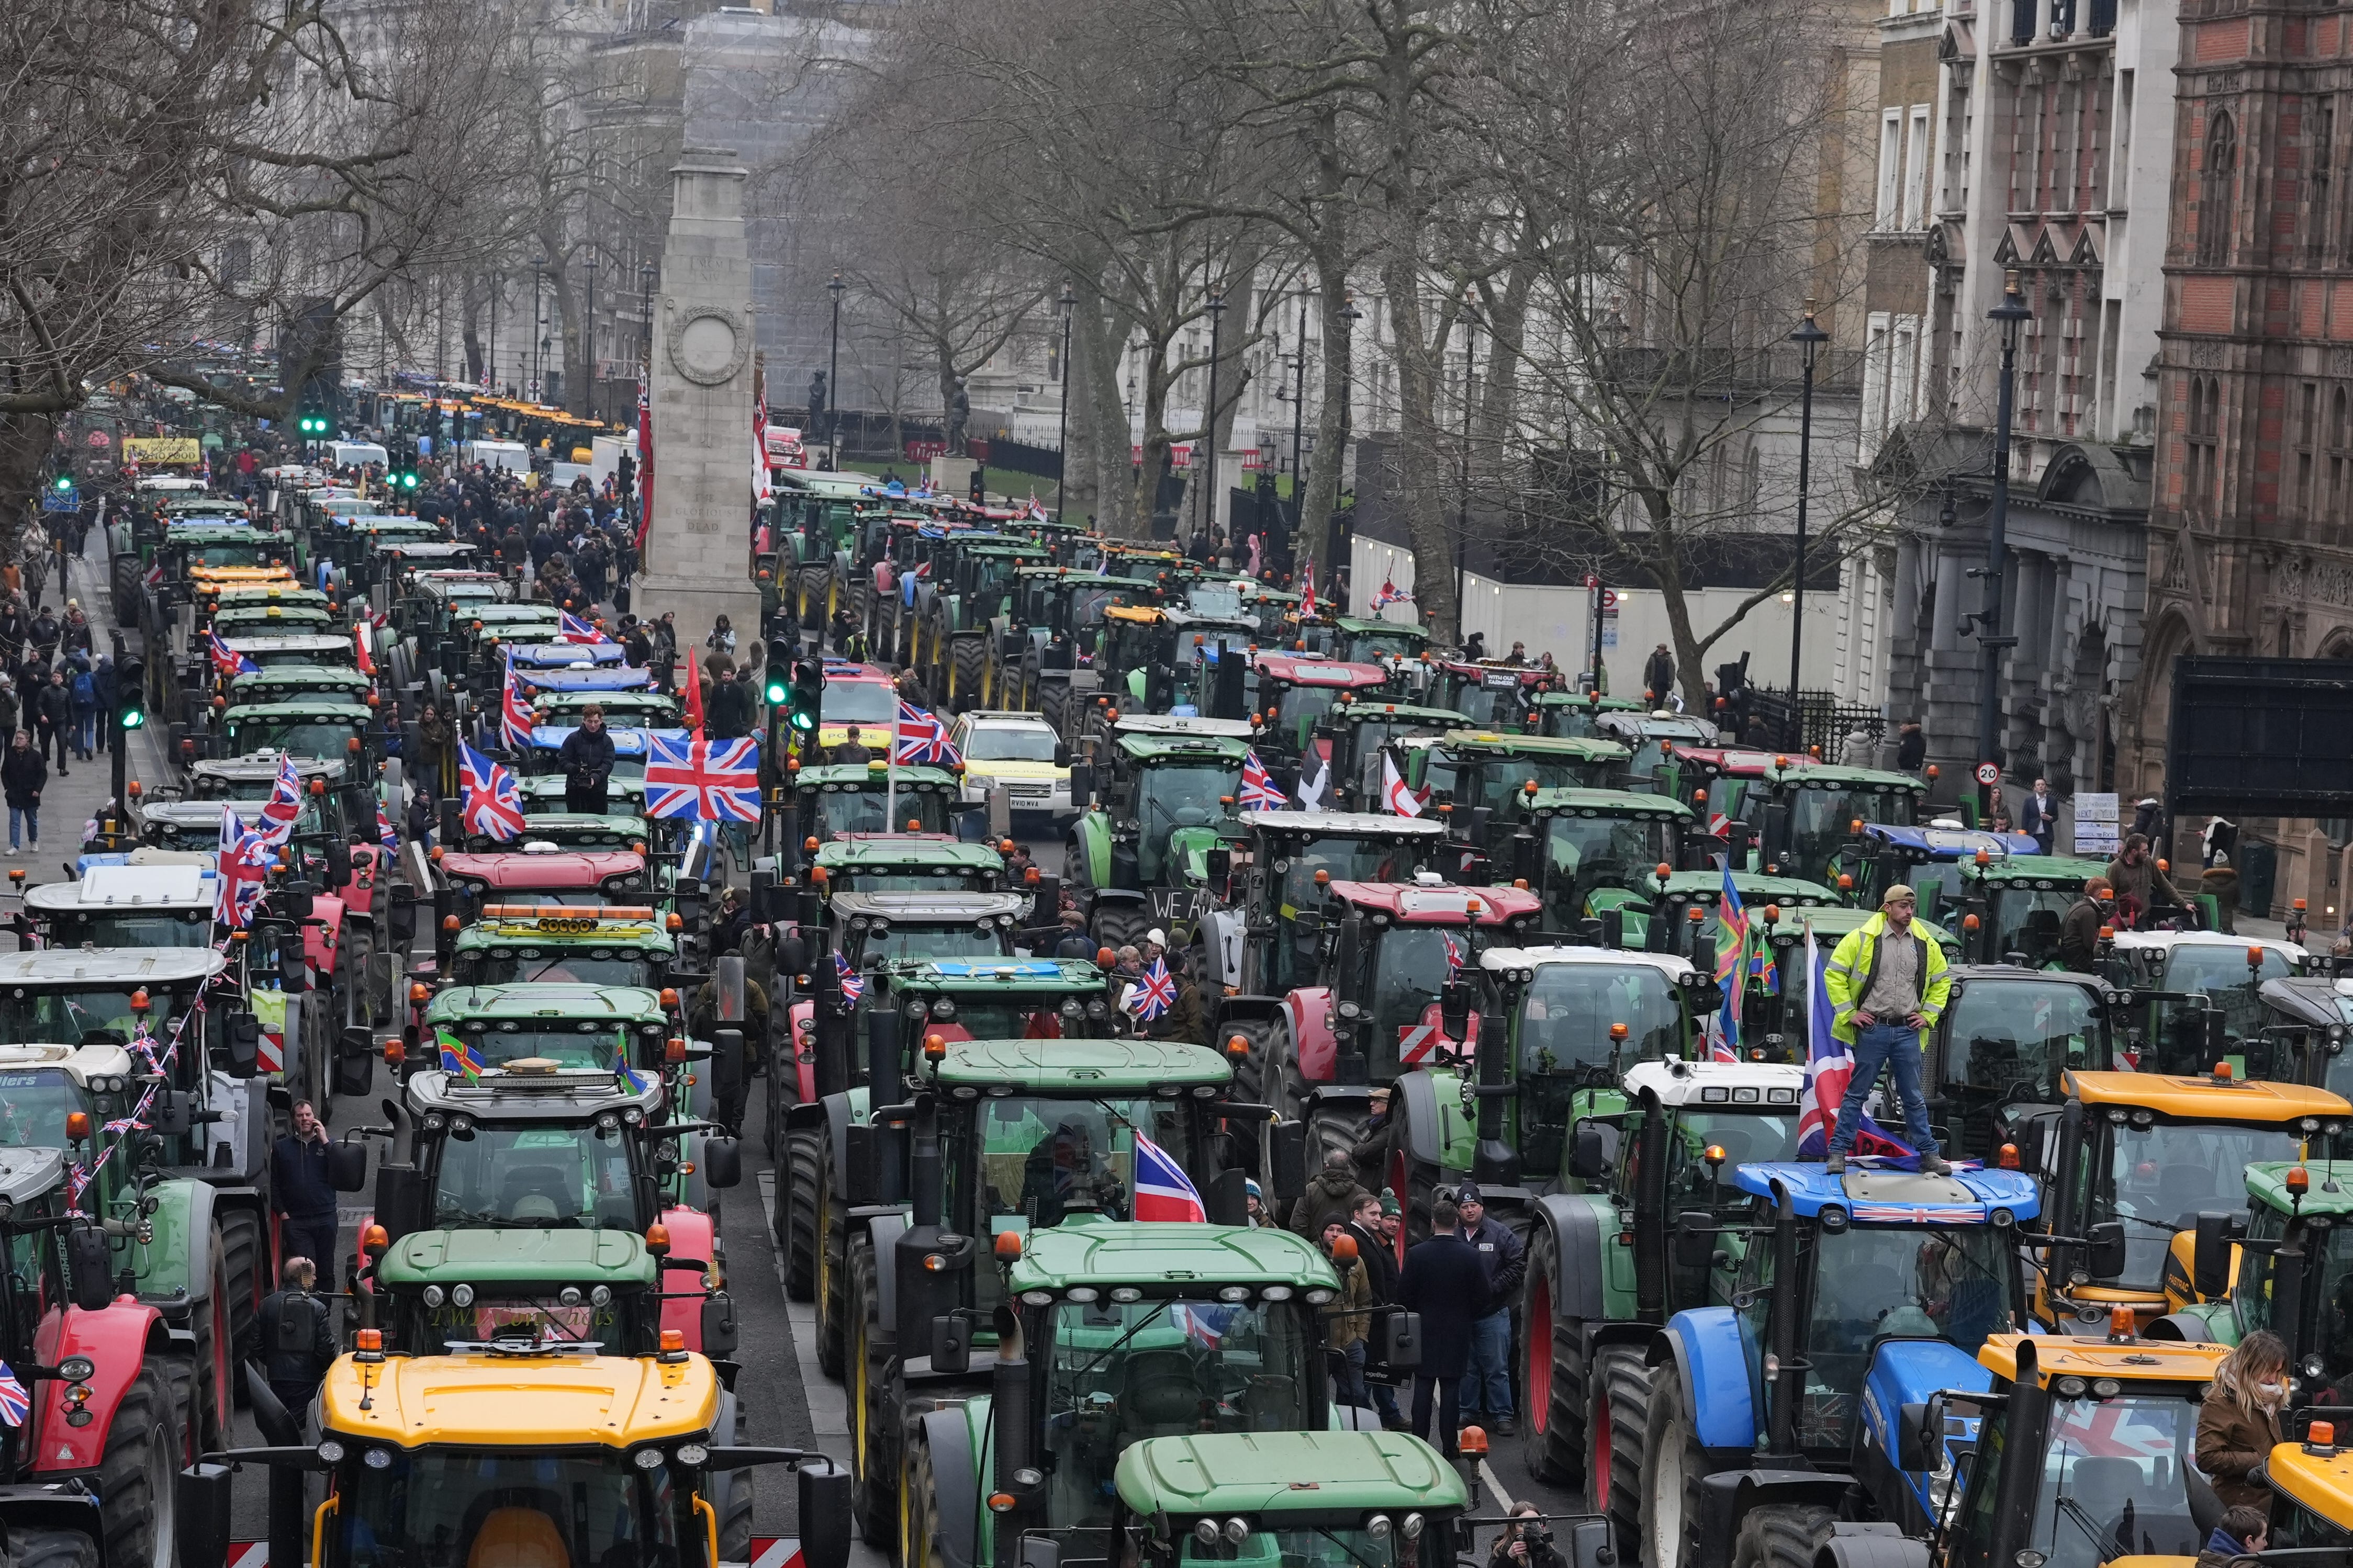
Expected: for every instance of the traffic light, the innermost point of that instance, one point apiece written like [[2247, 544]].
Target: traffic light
[[314, 418], [780, 663], [131, 693], [408, 478], [64, 481], [809, 698]]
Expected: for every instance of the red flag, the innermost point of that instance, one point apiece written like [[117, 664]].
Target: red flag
[[360, 641], [692, 692], [645, 465]]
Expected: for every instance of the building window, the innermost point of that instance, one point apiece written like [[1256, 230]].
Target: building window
[[2201, 467], [2324, 157], [2308, 432], [2340, 450], [1874, 387], [1891, 165], [2214, 191], [1916, 170]]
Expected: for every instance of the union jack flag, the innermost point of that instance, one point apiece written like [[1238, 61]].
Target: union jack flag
[[514, 716], [1162, 1191], [853, 985], [1906, 1214], [1390, 593], [1307, 589], [385, 833], [14, 1402], [1829, 1070], [1259, 790], [1155, 991], [493, 803], [921, 737], [571, 629], [246, 859], [710, 781], [284, 806], [227, 661]]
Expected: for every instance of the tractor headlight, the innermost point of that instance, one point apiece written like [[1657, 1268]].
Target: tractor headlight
[[462, 1295], [435, 1295], [377, 1458], [1238, 1531], [646, 1458], [1205, 1530]]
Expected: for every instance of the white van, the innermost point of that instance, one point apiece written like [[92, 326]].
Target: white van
[[498, 455], [356, 455]]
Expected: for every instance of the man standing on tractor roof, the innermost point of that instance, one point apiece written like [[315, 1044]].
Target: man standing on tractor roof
[[1887, 984]]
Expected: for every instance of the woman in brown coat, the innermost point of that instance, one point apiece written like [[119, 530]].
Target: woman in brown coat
[[2239, 1424]]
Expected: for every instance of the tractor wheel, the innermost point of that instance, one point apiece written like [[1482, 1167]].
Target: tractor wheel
[[965, 672], [1053, 707], [1669, 1516], [1781, 1535], [53, 1549], [1615, 1431], [125, 581], [215, 1370], [179, 1375], [245, 1260], [832, 1274], [735, 1518], [804, 1152], [1415, 1181], [136, 1476], [1118, 925], [1552, 1373], [874, 1413], [919, 1506]]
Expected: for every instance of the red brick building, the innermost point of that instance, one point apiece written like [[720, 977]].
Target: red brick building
[[2249, 547]]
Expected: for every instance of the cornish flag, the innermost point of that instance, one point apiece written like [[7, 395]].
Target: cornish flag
[[227, 661], [1162, 1191], [922, 739], [284, 806], [514, 716], [571, 629], [1829, 1070], [710, 781], [14, 1402], [493, 803], [853, 985], [246, 859], [1259, 790]]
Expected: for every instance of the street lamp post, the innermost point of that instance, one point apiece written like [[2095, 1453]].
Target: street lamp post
[[589, 358], [1462, 517], [491, 356], [1216, 308], [1349, 316], [1298, 403], [538, 323], [1809, 339], [833, 382], [2011, 315], [1063, 441]]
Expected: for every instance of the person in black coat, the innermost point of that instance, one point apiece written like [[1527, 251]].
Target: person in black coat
[[1445, 1281], [1380, 1265], [24, 774], [293, 1336], [587, 757], [733, 707]]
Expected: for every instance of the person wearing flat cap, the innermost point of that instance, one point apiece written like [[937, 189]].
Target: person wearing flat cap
[[1887, 987]]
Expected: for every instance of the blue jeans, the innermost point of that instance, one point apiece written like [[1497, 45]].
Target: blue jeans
[[1487, 1386], [29, 818], [1896, 1046]]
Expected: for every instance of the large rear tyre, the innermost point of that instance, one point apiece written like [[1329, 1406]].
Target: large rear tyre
[[216, 1376], [873, 1412], [1551, 1374], [1120, 923], [53, 1549], [964, 663], [803, 1150], [1616, 1412], [1053, 707], [135, 1477], [919, 1506], [1668, 1520], [1781, 1535], [246, 1264], [832, 1275]]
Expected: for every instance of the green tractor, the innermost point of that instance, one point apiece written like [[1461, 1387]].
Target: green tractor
[[835, 799], [1252, 942], [1575, 715], [1584, 845], [1035, 1147], [2017, 905], [1555, 1032], [1352, 735], [1042, 655], [902, 863], [816, 524], [952, 640], [1481, 778], [1154, 660], [1157, 808], [2278, 1264], [531, 1286], [1602, 1278]]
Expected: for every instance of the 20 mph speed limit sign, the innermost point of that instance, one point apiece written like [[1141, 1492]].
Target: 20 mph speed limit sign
[[1989, 772]]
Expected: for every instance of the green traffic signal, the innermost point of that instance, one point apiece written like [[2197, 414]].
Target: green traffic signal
[[64, 481], [777, 689], [408, 482], [803, 720], [134, 718]]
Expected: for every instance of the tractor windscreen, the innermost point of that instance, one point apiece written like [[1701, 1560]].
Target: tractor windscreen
[[2117, 1478], [1039, 1159], [2026, 919], [587, 1043], [2219, 971], [920, 939], [34, 1105], [1175, 796], [559, 1177], [871, 811], [521, 1504], [79, 1017], [1583, 854], [323, 737], [135, 928], [2020, 1035], [527, 965], [2158, 1179], [1125, 1371], [1821, 818], [1567, 1011]]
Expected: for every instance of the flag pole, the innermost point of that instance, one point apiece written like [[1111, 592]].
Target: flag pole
[[891, 768]]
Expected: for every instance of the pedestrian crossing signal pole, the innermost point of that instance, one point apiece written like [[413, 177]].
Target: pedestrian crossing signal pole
[[130, 713]]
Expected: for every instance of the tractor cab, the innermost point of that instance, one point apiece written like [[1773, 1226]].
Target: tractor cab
[[631, 747], [565, 944], [1489, 694], [2006, 1039], [596, 1026], [1290, 692], [2020, 905], [1483, 776], [1934, 861], [839, 798], [2200, 998], [1362, 641], [872, 928], [1588, 841], [1650, 739], [1574, 715], [1358, 732], [1260, 927], [909, 864], [140, 902], [311, 728]]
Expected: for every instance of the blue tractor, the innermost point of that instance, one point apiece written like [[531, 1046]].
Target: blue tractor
[[1770, 1421]]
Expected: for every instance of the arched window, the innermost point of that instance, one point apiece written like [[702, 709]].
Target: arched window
[[2215, 191]]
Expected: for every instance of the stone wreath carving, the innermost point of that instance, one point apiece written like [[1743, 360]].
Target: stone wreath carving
[[707, 343]]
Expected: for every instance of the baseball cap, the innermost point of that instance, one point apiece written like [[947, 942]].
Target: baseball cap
[[1902, 893], [1468, 1192]]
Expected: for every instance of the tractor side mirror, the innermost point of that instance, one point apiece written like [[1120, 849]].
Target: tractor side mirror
[[400, 1199], [1401, 1341], [347, 1166], [1227, 1197], [951, 1344], [200, 1519], [719, 1332], [242, 1037], [339, 861], [1083, 785], [792, 956], [1589, 1159], [2105, 1259], [1590, 1544], [94, 1270], [1695, 1240], [722, 1161], [1454, 1008], [2210, 1258], [825, 1516], [1286, 1159], [1218, 865], [1040, 1552], [355, 1064], [1061, 753], [1917, 1427], [175, 1111]]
